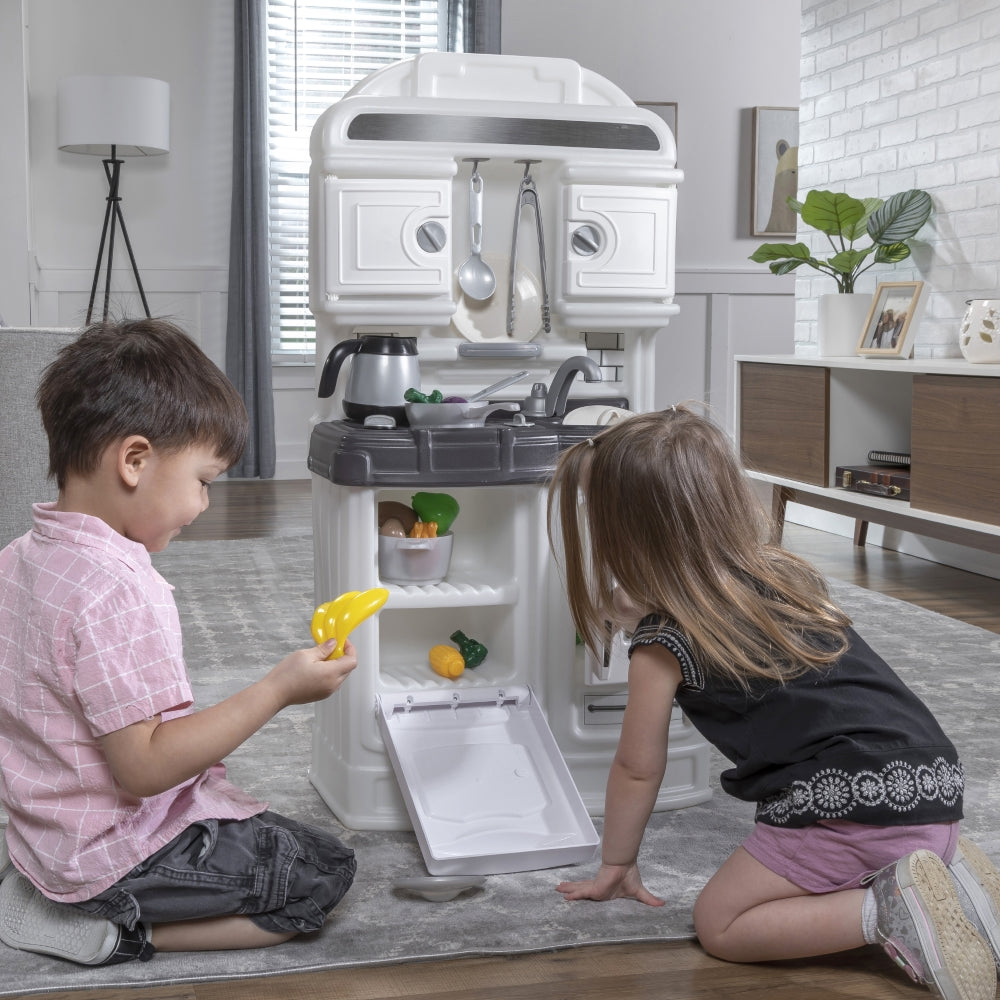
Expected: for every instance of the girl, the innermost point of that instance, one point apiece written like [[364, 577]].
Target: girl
[[858, 791]]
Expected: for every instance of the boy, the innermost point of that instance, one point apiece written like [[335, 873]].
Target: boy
[[124, 836]]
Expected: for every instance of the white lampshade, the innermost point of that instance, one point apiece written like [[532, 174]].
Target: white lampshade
[[131, 113]]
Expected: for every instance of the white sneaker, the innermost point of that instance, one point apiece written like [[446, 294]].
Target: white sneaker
[[978, 885], [33, 922]]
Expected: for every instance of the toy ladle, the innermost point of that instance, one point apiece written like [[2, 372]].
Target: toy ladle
[[475, 276]]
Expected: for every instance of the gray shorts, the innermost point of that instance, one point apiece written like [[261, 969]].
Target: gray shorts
[[283, 875]]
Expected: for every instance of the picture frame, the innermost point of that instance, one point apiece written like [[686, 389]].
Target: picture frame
[[889, 328], [667, 110], [774, 171]]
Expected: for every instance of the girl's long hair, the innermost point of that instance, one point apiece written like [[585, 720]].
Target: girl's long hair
[[659, 505]]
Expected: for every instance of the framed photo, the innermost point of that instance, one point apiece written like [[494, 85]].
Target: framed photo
[[889, 328], [774, 171], [667, 110]]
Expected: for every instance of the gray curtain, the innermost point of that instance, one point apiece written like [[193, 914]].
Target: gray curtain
[[479, 21], [248, 322]]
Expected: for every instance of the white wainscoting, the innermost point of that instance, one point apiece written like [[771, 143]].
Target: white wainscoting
[[193, 297]]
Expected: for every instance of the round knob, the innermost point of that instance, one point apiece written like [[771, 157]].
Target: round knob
[[586, 241], [431, 237]]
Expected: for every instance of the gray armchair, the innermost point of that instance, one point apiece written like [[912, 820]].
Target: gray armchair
[[24, 450]]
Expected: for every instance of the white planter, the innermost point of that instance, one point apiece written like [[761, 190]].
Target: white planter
[[841, 323], [979, 336]]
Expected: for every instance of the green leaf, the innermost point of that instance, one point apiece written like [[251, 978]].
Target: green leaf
[[900, 217], [779, 251], [860, 227], [832, 213], [787, 266], [848, 261], [891, 254]]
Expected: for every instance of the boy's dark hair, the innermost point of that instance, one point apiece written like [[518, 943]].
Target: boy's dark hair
[[142, 376]]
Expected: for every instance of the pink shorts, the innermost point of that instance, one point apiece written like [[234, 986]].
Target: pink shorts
[[837, 854]]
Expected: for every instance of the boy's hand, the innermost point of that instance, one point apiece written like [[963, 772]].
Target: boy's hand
[[307, 675], [150, 756]]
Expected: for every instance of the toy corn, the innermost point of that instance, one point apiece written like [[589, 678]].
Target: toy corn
[[446, 661]]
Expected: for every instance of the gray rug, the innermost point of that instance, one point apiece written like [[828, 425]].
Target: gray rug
[[245, 604]]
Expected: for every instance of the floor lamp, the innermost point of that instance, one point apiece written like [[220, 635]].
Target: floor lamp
[[112, 117]]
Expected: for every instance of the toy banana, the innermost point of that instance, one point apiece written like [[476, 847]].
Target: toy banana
[[324, 618], [337, 618]]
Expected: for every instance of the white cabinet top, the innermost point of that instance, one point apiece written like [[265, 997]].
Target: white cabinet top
[[914, 366]]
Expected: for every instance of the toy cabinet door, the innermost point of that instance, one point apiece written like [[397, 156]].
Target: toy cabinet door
[[373, 242], [634, 229]]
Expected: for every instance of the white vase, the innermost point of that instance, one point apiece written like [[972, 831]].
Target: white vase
[[979, 335], [841, 322]]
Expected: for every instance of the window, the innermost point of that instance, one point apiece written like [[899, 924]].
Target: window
[[317, 51]]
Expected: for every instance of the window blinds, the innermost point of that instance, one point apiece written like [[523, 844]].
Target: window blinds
[[317, 51]]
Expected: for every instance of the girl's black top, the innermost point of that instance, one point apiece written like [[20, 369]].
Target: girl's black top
[[850, 741]]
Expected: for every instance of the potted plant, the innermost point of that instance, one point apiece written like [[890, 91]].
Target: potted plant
[[889, 224]]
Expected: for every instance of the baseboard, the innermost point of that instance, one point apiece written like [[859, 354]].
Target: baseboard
[[962, 557]]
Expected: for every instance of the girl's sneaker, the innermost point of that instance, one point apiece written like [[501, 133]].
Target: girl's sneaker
[[923, 930], [978, 884]]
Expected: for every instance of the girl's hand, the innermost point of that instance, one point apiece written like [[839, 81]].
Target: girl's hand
[[611, 882]]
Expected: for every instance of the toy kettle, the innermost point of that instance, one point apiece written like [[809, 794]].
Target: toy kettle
[[383, 367]]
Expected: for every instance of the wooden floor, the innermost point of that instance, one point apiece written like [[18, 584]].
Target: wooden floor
[[679, 971]]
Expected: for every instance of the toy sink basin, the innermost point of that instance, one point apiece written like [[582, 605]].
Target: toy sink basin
[[484, 783]]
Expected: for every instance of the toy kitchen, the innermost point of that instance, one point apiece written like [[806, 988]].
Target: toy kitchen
[[498, 223]]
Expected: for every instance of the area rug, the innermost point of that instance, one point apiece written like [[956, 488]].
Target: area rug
[[245, 604]]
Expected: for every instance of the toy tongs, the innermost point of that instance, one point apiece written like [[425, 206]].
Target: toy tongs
[[527, 195]]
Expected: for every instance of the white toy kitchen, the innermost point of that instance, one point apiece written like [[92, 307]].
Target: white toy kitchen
[[479, 220]]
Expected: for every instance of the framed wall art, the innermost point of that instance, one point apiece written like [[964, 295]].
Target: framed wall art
[[774, 171], [667, 110], [889, 329]]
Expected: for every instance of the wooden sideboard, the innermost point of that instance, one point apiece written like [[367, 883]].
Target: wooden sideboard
[[799, 418]]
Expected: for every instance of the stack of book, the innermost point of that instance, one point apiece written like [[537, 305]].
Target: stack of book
[[887, 474]]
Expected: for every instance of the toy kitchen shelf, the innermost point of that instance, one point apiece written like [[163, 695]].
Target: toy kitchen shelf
[[391, 219], [799, 418]]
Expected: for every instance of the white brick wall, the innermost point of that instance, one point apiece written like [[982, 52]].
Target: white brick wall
[[898, 94]]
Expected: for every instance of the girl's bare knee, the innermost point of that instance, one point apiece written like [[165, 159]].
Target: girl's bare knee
[[711, 937]]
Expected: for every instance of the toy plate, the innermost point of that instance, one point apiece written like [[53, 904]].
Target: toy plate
[[487, 321]]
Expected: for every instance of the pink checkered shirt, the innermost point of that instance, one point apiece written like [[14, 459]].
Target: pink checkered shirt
[[90, 642]]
